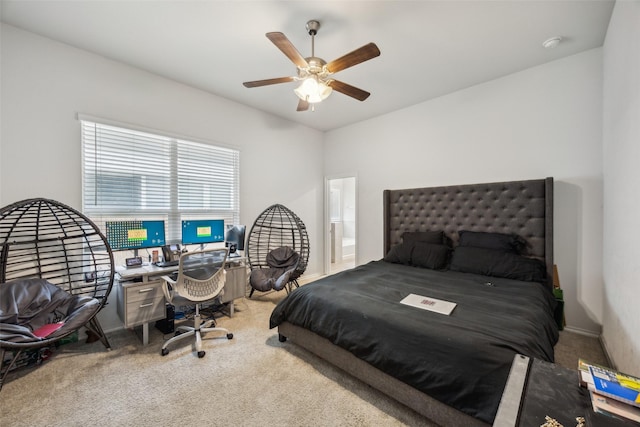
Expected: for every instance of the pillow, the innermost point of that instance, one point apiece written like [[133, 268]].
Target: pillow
[[429, 255], [399, 254], [491, 262], [497, 241], [423, 236]]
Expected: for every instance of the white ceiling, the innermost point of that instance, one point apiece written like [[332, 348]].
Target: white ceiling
[[428, 48]]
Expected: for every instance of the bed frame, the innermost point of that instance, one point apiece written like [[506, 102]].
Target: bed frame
[[521, 207]]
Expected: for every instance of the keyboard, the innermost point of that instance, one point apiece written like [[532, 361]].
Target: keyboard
[[188, 262], [168, 263]]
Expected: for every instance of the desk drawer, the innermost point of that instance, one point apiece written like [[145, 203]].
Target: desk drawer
[[146, 291], [145, 311]]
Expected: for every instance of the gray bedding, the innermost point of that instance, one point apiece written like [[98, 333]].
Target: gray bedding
[[462, 360]]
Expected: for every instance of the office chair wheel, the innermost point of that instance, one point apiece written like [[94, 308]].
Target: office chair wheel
[[201, 354], [229, 336], [164, 352]]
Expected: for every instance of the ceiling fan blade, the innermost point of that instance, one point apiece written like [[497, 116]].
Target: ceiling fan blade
[[302, 105], [282, 42], [257, 83], [359, 55], [349, 90]]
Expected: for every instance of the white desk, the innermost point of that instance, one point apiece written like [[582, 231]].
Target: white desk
[[140, 298]]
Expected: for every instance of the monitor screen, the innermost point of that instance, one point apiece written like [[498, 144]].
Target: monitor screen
[[127, 235], [201, 231], [235, 236]]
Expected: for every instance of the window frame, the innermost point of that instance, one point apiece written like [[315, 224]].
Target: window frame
[[184, 177]]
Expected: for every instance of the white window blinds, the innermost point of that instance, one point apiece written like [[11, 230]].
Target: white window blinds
[[130, 174]]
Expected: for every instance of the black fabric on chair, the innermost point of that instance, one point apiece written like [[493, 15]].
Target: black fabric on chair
[[45, 244], [29, 304], [275, 228], [282, 263]]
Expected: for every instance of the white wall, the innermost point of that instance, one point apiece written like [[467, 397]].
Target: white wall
[[621, 149], [544, 121], [45, 84]]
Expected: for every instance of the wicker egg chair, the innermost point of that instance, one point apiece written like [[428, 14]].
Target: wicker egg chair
[[46, 241], [277, 227]]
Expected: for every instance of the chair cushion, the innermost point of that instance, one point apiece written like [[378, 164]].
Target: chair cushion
[[282, 263], [282, 257], [28, 304], [265, 279]]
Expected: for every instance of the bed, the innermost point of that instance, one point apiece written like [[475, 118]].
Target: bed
[[488, 248]]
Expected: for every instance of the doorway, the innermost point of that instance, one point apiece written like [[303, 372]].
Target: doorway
[[341, 224]]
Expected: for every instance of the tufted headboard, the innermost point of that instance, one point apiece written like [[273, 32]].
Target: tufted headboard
[[521, 207]]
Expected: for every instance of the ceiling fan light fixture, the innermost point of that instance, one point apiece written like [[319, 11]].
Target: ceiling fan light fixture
[[313, 90], [314, 73]]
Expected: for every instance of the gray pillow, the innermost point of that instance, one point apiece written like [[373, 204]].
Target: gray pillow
[[491, 262], [430, 255], [399, 254]]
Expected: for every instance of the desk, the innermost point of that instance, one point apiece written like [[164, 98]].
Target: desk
[[536, 389], [140, 298]]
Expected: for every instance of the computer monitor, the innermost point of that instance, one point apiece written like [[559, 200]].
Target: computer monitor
[[135, 234], [235, 236], [202, 231]]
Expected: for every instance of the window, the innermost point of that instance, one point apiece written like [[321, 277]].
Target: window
[[133, 174]]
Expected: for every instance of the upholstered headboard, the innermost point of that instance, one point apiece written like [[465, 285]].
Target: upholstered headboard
[[521, 207]]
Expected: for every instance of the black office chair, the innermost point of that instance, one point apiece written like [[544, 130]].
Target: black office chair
[[201, 278]]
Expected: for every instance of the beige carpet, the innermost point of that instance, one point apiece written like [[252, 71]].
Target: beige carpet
[[252, 380]]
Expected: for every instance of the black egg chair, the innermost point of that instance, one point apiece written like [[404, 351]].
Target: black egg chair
[[277, 230], [48, 247]]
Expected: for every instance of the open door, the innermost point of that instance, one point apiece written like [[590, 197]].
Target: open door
[[341, 224]]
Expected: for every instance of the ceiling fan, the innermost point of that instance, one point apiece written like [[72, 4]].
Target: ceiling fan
[[314, 73]]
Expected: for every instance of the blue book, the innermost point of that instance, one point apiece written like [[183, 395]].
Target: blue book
[[610, 384]]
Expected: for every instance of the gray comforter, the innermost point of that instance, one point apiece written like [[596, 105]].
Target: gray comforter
[[462, 359]]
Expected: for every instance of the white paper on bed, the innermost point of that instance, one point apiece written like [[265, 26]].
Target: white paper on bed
[[428, 303]]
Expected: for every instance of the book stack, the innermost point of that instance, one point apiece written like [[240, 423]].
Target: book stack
[[612, 393]]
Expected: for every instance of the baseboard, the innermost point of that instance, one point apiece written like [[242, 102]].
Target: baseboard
[[310, 278], [605, 350], [575, 330], [117, 328]]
